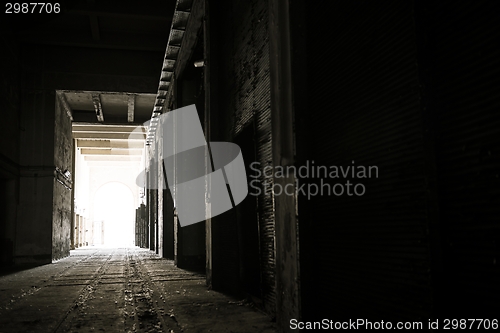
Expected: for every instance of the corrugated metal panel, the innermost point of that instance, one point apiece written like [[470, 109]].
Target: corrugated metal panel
[[141, 230], [466, 85], [245, 100], [365, 256]]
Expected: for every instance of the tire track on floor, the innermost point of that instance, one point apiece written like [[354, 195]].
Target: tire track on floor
[[21, 297], [143, 299]]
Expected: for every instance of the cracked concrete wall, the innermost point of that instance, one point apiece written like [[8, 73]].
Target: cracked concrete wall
[[61, 212]]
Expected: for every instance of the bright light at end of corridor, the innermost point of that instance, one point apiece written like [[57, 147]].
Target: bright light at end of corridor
[[114, 215]]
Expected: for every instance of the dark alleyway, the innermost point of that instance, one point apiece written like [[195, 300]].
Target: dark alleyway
[[119, 290], [361, 178]]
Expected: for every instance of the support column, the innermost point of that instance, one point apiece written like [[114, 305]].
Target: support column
[[283, 148], [73, 215], [210, 89]]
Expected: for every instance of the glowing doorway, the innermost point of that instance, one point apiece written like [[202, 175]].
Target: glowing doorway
[[114, 215]]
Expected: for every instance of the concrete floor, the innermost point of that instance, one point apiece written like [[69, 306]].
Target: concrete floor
[[119, 290]]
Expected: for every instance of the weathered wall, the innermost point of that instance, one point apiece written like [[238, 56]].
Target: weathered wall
[[10, 104], [240, 71], [34, 217], [61, 211]]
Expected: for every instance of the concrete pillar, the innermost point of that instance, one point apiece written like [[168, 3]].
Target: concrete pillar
[[283, 146]]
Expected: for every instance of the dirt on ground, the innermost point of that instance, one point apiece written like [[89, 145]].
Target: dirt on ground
[[120, 290]]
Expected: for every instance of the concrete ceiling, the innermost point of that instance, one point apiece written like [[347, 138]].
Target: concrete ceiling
[[109, 107], [106, 45], [96, 44], [108, 127], [110, 145], [112, 24]]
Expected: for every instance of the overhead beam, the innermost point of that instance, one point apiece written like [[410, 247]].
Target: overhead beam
[[131, 108], [109, 136], [108, 129], [64, 102], [121, 125], [124, 164], [107, 144], [129, 164], [96, 99], [107, 93], [104, 158], [112, 152]]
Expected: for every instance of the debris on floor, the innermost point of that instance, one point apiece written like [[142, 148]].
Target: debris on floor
[[119, 290]]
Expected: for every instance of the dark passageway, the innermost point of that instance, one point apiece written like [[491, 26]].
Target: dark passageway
[[278, 165], [119, 290]]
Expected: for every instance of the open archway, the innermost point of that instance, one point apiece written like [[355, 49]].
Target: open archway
[[114, 215]]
